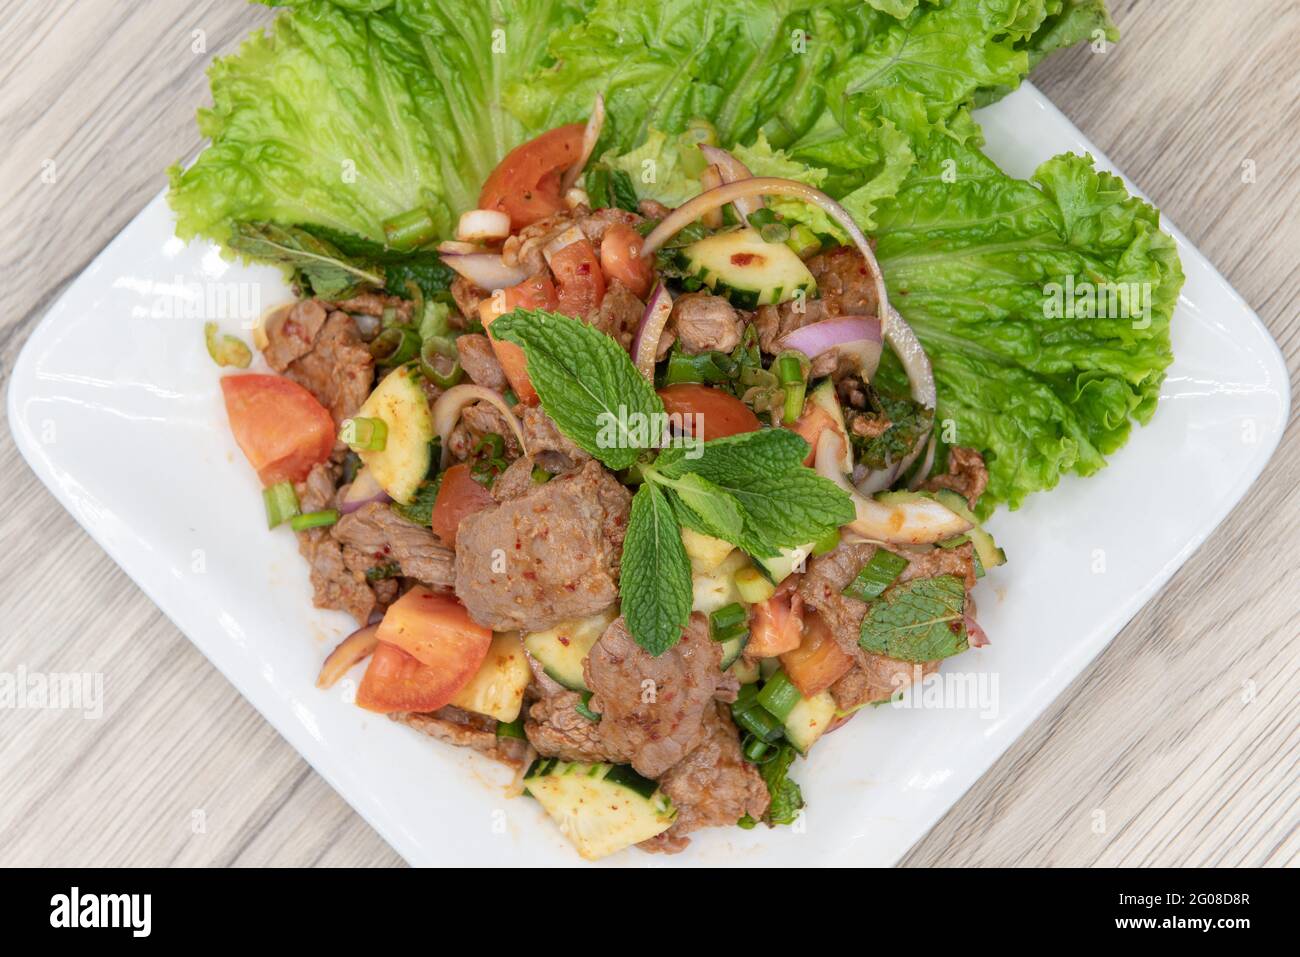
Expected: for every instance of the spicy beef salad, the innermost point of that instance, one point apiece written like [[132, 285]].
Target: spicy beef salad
[[628, 464]]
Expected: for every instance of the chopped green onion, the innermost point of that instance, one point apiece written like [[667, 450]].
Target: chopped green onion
[[753, 717], [827, 543], [388, 318], [378, 573], [226, 350], [583, 707], [803, 241], [779, 696], [753, 587], [775, 233], [790, 374], [441, 368], [511, 729], [321, 519], [763, 216], [876, 575], [395, 345], [758, 751], [745, 823], [540, 475], [494, 443], [729, 622], [362, 434], [510, 397], [281, 503], [410, 229]]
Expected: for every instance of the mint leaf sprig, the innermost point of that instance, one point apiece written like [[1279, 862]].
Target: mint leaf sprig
[[751, 490]]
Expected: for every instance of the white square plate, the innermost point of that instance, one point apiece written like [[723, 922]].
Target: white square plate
[[117, 409]]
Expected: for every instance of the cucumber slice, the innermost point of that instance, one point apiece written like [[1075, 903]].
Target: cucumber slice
[[781, 567], [732, 649], [746, 670], [561, 649], [713, 590], [404, 461], [601, 808], [808, 720], [747, 270], [990, 555], [497, 690], [705, 552]]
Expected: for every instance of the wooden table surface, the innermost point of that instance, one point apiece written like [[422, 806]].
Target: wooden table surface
[[1182, 736]]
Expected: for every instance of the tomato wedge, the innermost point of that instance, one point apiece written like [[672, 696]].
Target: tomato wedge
[[721, 414], [776, 626], [460, 494], [279, 426], [809, 427], [438, 649], [526, 184], [581, 282], [536, 292], [621, 259], [818, 662]]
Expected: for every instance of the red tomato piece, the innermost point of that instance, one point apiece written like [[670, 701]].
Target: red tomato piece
[[809, 427], [536, 292], [721, 414], [621, 259], [581, 283], [776, 626], [818, 662], [460, 494], [279, 426], [396, 681], [526, 184]]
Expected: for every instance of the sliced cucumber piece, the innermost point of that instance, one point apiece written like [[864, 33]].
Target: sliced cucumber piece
[[717, 588], [747, 270], [990, 555], [561, 649], [808, 720], [731, 650], [497, 690], [745, 670], [404, 461], [601, 808], [781, 567]]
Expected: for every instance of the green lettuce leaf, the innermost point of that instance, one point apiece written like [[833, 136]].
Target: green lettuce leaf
[[980, 263], [344, 114]]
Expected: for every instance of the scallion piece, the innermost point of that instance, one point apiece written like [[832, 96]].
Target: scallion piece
[[779, 696], [774, 232], [876, 575], [761, 217], [321, 519], [511, 729], [362, 434], [410, 229], [493, 443], [803, 241], [583, 707], [440, 362], [395, 345], [827, 543], [281, 503], [753, 587], [790, 375], [753, 717], [540, 475], [729, 622], [758, 751]]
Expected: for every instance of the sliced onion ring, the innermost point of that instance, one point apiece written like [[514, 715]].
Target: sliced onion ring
[[589, 137], [485, 270], [363, 490], [356, 646], [447, 410], [904, 523], [859, 335], [653, 322], [923, 472], [732, 170], [713, 199]]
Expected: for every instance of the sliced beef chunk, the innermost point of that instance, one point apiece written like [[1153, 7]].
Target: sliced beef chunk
[[652, 209], [618, 314], [556, 729], [821, 589], [334, 584], [467, 296], [653, 709], [546, 443], [705, 323], [380, 536], [844, 282], [713, 786], [967, 475], [476, 421], [374, 304], [515, 481], [877, 679], [466, 730], [775, 322], [480, 362], [594, 224], [324, 355], [546, 556]]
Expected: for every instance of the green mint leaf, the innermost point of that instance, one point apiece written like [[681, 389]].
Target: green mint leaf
[[737, 457], [703, 506], [330, 274], [587, 384], [420, 509], [918, 620], [655, 581]]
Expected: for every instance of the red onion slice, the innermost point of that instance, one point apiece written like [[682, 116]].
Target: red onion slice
[[856, 335], [653, 322], [356, 646], [485, 270], [446, 413], [975, 635], [589, 137], [363, 490], [732, 170]]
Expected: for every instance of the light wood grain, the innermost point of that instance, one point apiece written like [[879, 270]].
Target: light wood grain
[[1159, 735]]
